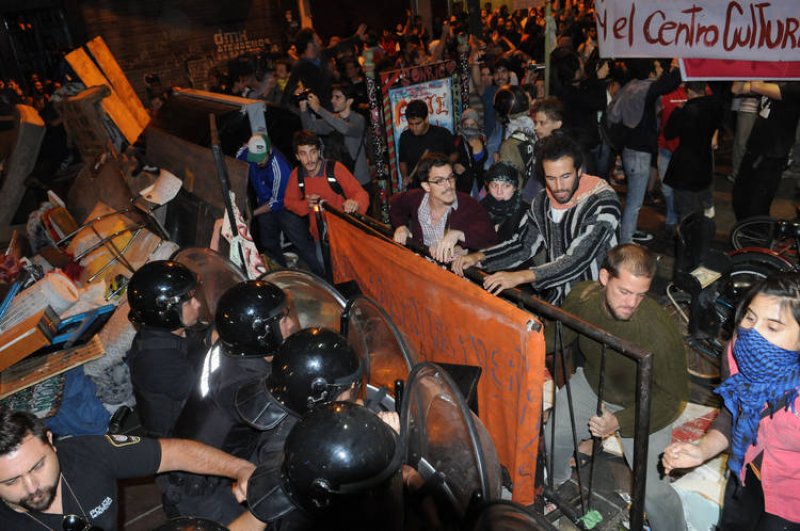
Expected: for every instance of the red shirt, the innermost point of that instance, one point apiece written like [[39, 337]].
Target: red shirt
[[318, 184]]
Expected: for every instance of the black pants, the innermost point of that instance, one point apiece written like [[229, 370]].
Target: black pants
[[743, 509], [756, 185], [295, 228]]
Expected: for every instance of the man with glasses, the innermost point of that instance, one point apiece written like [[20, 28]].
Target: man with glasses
[[446, 221], [575, 218]]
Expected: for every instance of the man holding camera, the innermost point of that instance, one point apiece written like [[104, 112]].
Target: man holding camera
[[342, 121]]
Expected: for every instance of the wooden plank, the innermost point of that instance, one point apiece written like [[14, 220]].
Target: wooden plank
[[116, 109], [195, 165], [29, 133], [27, 337], [119, 81], [38, 369]]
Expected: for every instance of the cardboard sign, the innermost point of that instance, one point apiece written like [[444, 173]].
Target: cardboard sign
[[436, 84]]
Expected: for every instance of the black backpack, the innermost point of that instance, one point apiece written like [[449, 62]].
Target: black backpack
[[526, 144]]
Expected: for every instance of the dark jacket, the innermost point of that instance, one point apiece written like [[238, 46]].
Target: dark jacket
[[692, 163], [469, 217]]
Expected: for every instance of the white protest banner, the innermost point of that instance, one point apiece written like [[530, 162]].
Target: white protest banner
[[747, 30]]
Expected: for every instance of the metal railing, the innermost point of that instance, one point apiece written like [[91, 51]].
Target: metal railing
[[540, 308]]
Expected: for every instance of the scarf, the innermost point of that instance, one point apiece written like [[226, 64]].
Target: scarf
[[767, 373], [587, 185], [499, 211], [520, 122]]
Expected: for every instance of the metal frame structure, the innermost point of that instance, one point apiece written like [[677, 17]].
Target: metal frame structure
[[643, 358]]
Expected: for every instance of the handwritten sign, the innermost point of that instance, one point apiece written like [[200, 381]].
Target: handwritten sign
[[436, 84], [712, 29]]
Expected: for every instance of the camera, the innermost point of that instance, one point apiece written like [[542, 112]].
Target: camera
[[534, 66], [301, 96]]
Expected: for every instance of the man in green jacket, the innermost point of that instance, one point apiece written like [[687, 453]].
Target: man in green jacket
[[618, 303]]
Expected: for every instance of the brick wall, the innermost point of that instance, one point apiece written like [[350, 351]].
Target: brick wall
[[178, 39]]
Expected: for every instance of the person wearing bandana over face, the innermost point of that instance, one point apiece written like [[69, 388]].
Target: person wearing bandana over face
[[471, 148], [760, 422], [504, 203]]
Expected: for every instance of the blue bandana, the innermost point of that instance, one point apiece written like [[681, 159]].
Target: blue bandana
[[767, 373]]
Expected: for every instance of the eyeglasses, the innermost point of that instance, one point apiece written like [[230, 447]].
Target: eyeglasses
[[441, 181]]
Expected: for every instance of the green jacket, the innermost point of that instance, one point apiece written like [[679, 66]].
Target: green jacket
[[650, 328]]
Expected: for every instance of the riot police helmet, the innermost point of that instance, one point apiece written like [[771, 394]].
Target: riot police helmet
[[313, 366], [509, 101], [248, 318], [340, 466], [157, 291]]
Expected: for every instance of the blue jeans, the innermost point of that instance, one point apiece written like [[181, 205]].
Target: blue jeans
[[664, 156], [636, 165]]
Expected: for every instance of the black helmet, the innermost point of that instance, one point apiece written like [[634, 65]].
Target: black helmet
[[510, 100], [312, 366], [156, 292], [340, 466], [248, 318]]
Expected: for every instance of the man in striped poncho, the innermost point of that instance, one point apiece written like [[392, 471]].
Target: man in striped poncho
[[575, 218]]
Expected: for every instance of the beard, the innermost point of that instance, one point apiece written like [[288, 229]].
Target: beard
[[39, 500]]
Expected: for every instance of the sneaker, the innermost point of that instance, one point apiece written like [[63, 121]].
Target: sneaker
[[709, 212], [642, 236]]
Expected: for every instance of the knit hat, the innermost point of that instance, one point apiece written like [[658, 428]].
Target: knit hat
[[470, 132], [503, 172], [258, 148]]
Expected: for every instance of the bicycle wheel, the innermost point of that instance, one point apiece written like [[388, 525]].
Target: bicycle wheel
[[749, 267], [703, 355], [758, 231]]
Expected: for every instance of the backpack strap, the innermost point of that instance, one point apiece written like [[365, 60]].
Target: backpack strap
[[330, 175], [301, 178]]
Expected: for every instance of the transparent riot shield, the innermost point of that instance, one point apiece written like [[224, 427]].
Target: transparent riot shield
[[216, 274], [447, 445], [503, 515], [384, 353], [317, 303]]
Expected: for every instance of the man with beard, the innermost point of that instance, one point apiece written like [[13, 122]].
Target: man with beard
[[444, 220], [618, 304], [575, 218], [43, 480]]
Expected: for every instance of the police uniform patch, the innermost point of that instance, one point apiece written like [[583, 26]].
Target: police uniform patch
[[119, 441]]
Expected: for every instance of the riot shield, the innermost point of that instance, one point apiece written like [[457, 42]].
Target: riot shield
[[384, 353], [453, 455], [317, 303], [215, 273], [503, 515]]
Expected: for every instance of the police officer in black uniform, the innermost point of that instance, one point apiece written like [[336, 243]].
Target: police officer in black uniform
[[253, 318], [340, 469], [168, 348], [313, 366]]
